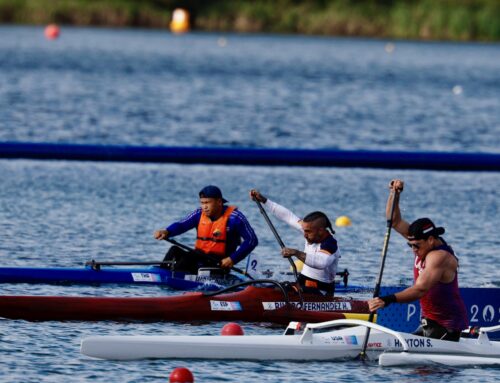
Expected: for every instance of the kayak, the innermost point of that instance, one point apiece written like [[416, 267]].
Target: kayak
[[89, 274], [320, 341], [254, 304], [95, 273]]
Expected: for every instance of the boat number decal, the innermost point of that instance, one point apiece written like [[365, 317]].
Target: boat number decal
[[311, 306], [146, 277], [225, 306], [253, 265], [487, 314]]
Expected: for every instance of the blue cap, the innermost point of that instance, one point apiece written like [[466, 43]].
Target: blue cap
[[211, 191]]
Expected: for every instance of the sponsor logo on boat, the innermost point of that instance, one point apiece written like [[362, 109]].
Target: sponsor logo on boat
[[351, 339], [336, 340], [146, 277], [225, 306], [415, 343], [311, 306], [375, 345]]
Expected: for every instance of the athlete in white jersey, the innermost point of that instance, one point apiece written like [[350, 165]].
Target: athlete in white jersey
[[321, 254]]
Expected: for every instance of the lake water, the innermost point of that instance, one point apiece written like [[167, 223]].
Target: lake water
[[112, 86]]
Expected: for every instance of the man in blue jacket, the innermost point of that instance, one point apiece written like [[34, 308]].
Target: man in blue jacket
[[223, 234]]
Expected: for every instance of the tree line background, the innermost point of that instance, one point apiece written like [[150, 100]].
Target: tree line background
[[462, 20]]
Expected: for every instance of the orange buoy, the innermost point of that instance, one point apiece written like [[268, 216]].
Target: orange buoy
[[52, 31], [181, 375], [180, 21], [232, 329]]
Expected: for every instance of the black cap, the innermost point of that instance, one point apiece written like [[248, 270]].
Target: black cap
[[211, 191], [424, 228]]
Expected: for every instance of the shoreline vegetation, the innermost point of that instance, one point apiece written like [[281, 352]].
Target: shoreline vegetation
[[453, 20]]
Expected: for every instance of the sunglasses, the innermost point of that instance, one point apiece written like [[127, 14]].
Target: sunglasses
[[413, 245]]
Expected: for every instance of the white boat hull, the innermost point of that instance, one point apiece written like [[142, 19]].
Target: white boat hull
[[408, 359], [259, 347], [331, 345]]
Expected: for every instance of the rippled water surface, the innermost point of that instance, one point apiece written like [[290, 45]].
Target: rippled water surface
[[148, 87]]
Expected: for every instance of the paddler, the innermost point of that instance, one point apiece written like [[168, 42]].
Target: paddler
[[435, 270], [223, 233], [321, 254]]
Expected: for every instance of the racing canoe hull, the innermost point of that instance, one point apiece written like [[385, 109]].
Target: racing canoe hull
[[88, 275], [254, 304], [331, 345], [152, 275]]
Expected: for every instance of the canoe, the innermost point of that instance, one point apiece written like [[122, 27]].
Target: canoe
[[152, 275], [319, 341], [254, 304], [90, 275]]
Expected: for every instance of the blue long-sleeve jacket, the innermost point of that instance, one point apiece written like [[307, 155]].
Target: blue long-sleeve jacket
[[241, 238]]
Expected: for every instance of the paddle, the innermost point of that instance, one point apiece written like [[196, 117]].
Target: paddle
[[207, 256], [376, 292], [282, 245]]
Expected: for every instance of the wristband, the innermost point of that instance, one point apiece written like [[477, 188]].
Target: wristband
[[388, 299]]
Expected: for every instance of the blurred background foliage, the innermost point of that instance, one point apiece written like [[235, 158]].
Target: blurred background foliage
[[404, 19]]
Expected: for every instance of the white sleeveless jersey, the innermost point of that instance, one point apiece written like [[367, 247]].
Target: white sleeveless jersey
[[321, 258]]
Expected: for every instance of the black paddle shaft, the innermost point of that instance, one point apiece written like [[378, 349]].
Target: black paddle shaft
[[276, 235], [271, 226], [376, 291], [282, 245]]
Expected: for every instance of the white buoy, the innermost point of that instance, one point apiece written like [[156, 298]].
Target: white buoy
[[222, 42], [389, 47]]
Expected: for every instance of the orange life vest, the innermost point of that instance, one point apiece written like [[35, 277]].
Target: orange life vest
[[211, 238]]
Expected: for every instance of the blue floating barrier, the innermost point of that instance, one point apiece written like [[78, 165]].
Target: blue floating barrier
[[251, 156]]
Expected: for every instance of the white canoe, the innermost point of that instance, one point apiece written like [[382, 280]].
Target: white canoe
[[320, 341]]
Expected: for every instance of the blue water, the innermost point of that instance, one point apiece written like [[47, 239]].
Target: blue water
[[149, 87]]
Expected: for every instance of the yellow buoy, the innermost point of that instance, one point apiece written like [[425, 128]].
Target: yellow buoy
[[180, 21], [343, 220], [298, 264]]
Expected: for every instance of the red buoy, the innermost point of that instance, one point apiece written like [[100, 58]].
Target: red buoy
[[181, 375], [52, 31], [232, 329]]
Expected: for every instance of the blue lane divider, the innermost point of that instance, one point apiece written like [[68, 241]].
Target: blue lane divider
[[250, 156]]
